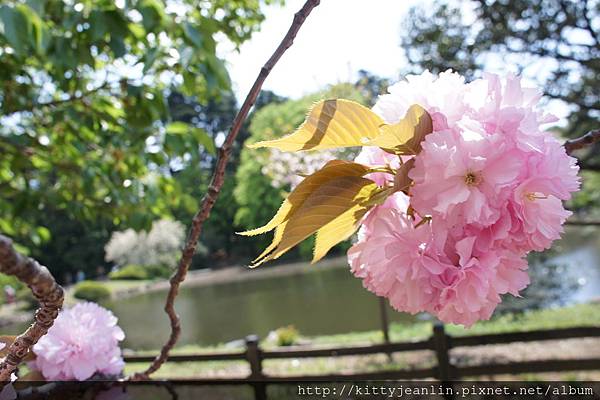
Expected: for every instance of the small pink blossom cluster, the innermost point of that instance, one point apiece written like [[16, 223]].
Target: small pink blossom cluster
[[490, 183], [83, 341]]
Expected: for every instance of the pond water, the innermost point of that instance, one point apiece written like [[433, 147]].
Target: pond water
[[324, 301], [331, 300]]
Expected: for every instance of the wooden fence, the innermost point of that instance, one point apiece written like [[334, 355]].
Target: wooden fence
[[440, 342]]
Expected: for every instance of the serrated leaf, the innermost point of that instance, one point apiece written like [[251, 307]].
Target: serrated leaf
[[338, 230], [276, 240], [330, 124], [324, 205], [333, 169], [405, 137]]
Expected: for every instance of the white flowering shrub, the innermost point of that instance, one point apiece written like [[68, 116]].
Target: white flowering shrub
[[160, 246], [289, 169]]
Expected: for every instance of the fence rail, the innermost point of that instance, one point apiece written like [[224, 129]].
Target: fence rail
[[440, 342]]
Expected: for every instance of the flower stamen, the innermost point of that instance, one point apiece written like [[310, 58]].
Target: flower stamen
[[472, 179], [533, 197]]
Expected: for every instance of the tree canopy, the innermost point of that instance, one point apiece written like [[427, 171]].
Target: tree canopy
[[86, 130], [556, 42]]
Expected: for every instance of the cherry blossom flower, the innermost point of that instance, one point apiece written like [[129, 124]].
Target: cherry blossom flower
[[83, 341], [487, 189]]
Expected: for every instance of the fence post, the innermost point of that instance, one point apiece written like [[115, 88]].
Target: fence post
[[440, 340], [442, 352], [385, 323], [254, 357]]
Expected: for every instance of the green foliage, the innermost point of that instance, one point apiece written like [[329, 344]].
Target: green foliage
[[25, 297], [132, 271], [140, 272], [287, 335], [553, 41], [219, 244], [10, 281], [86, 130], [74, 245], [586, 201], [158, 271], [91, 291]]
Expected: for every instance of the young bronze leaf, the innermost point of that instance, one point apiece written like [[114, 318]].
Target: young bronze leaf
[[401, 181], [290, 205], [405, 137], [324, 205], [338, 230], [276, 240], [330, 124]]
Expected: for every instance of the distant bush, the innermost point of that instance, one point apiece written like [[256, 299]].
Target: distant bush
[[158, 271], [10, 281], [287, 335], [159, 246], [91, 291], [25, 297], [132, 271]]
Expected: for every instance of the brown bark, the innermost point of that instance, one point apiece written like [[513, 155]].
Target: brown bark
[[215, 186], [583, 141], [46, 291]]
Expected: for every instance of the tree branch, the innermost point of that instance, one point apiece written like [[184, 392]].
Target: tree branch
[[46, 291], [215, 186], [583, 141], [58, 102]]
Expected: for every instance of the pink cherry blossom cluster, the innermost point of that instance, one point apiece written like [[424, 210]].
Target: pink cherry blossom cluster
[[83, 341], [490, 184]]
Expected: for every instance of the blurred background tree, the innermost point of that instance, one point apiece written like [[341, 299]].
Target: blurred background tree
[[555, 42], [89, 111], [264, 177]]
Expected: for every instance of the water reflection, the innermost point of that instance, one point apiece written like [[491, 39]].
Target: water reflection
[[330, 301], [320, 302]]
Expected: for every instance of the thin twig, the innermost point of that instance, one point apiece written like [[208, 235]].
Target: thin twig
[[215, 186], [583, 141], [46, 291], [58, 102], [584, 222]]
